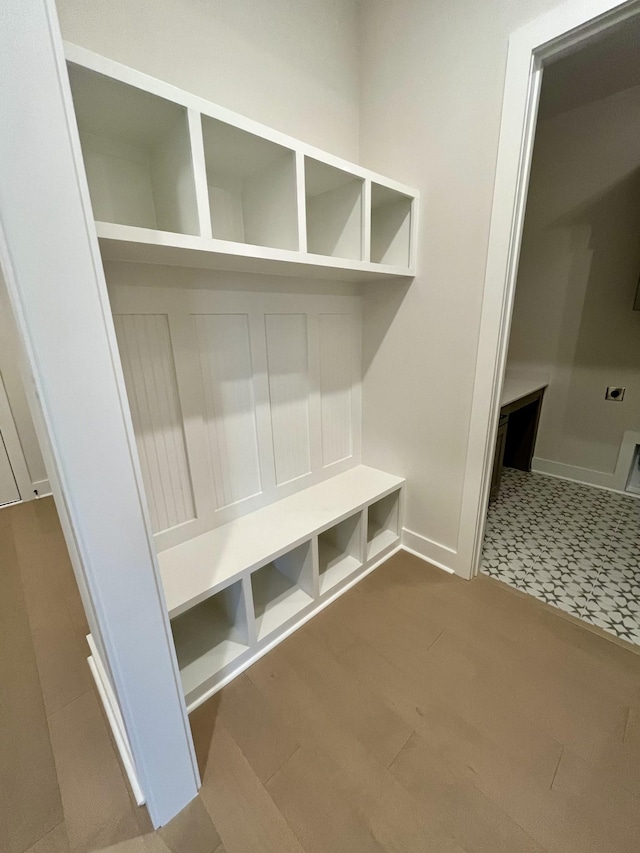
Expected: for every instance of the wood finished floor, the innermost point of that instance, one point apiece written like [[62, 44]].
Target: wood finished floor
[[417, 713]]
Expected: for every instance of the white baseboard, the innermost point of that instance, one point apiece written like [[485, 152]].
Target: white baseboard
[[615, 482], [112, 711], [599, 479], [431, 552], [42, 487]]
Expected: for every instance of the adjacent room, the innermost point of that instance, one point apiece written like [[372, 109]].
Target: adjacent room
[[564, 517]]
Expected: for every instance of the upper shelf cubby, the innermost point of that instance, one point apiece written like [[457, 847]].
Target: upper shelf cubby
[[251, 185], [137, 154], [390, 226], [334, 201], [177, 180]]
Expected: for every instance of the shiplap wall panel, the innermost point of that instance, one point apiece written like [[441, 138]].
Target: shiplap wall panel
[[268, 390], [336, 383], [224, 349], [288, 366], [147, 361]]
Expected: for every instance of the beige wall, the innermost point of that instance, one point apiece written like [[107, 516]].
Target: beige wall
[[432, 82], [577, 280], [291, 64]]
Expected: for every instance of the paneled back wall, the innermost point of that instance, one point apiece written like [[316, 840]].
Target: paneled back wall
[[237, 399]]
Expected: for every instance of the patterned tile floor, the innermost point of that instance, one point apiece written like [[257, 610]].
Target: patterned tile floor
[[573, 546]]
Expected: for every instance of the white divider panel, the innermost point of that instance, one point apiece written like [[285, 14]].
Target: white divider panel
[[149, 373], [224, 349], [336, 386], [288, 366]]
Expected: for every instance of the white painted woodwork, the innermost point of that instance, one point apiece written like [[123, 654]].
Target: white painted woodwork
[[382, 524], [282, 588], [211, 636], [259, 392], [195, 569], [15, 480], [235, 591], [175, 179], [340, 551], [147, 363], [224, 350], [337, 370], [288, 368], [77, 397], [137, 154], [334, 205], [390, 226], [8, 488], [251, 186]]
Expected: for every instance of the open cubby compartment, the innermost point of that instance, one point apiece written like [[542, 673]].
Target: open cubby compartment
[[340, 551], [252, 187], [334, 200], [390, 226], [382, 524], [282, 589], [137, 154], [210, 636]]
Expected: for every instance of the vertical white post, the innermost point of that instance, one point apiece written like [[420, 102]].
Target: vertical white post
[[54, 277]]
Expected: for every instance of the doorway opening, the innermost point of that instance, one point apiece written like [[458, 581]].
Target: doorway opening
[[563, 516]]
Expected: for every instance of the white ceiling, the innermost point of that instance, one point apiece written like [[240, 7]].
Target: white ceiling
[[603, 66]]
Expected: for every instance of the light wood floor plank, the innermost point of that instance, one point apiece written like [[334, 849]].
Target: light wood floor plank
[[30, 803], [416, 713], [244, 814]]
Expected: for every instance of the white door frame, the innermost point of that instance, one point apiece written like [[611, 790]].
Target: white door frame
[[529, 47]]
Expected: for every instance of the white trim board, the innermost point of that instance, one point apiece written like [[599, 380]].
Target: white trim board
[[615, 482], [111, 709], [431, 552], [549, 35], [42, 487]]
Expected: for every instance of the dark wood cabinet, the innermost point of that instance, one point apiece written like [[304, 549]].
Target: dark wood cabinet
[[498, 456], [516, 439]]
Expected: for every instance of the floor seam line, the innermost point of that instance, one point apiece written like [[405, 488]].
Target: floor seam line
[[555, 772], [411, 734], [284, 764]]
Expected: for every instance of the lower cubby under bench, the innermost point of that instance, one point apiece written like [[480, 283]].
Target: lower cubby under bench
[[235, 591]]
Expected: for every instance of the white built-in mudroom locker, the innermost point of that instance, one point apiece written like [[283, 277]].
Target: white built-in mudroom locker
[[245, 402]]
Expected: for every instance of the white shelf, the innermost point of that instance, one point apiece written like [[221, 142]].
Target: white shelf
[[195, 569], [177, 180], [391, 213], [339, 552], [382, 524], [137, 154], [210, 637], [148, 246], [334, 200]]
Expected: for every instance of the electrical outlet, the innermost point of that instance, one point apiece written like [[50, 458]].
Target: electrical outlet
[[614, 393]]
